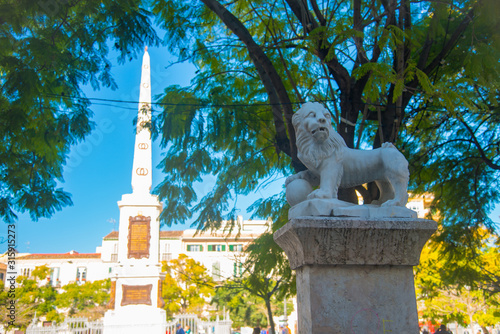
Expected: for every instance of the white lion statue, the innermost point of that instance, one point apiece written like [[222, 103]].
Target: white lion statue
[[332, 165]]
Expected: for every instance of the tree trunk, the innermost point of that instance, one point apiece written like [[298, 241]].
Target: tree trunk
[[270, 316], [276, 91]]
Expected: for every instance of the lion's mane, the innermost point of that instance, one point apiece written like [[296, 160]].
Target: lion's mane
[[309, 151]]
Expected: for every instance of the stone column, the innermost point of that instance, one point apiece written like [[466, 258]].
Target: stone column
[[355, 275]]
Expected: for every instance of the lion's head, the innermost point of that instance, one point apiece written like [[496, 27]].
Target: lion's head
[[316, 139]]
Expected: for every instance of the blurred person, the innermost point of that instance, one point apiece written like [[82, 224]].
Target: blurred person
[[179, 329], [442, 330]]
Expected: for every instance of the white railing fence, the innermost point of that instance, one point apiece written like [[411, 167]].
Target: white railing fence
[[69, 326], [198, 326], [83, 326]]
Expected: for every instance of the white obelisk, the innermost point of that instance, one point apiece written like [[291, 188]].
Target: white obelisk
[[135, 305], [141, 171]]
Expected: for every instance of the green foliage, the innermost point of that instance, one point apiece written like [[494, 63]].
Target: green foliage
[[246, 309], [453, 289], [187, 286], [88, 299], [31, 294], [222, 113], [36, 296], [48, 50], [254, 298], [257, 296], [423, 75], [40, 273]]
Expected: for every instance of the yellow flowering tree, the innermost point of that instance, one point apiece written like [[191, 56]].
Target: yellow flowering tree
[[187, 287]]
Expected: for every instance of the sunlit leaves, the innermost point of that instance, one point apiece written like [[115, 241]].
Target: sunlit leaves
[[88, 299], [421, 74], [48, 49], [245, 309], [453, 288], [187, 286], [381, 75], [36, 297]]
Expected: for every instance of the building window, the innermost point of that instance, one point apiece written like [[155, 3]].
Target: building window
[[216, 271], [81, 274], [114, 255], [166, 255], [1, 276], [237, 269], [216, 248], [194, 248], [235, 248], [54, 276]]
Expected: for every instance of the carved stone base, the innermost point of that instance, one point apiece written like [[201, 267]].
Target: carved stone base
[[355, 275], [134, 319], [337, 208], [137, 300]]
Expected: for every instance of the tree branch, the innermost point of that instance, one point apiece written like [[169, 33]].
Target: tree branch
[[358, 26], [486, 160], [275, 89], [339, 72], [451, 42], [318, 13]]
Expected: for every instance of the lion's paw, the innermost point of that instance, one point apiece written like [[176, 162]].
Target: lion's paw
[[319, 193], [299, 175]]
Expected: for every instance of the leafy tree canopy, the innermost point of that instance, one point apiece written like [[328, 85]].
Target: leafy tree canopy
[[245, 307], [85, 300], [36, 296], [463, 292], [257, 295], [421, 74], [29, 297], [48, 50], [187, 286]]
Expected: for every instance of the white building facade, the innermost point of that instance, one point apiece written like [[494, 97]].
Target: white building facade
[[221, 254]]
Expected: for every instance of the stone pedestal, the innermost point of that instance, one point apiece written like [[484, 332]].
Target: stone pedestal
[[355, 275], [136, 304], [127, 321]]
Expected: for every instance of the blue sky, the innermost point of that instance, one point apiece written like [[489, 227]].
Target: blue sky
[[99, 170]]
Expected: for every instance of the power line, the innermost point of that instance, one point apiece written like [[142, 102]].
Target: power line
[[209, 105], [201, 105]]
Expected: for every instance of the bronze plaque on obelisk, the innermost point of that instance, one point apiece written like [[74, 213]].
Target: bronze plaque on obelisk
[[136, 294], [139, 236]]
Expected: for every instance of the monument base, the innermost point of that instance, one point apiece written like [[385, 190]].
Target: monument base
[[355, 275], [337, 208], [136, 301], [125, 320]]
